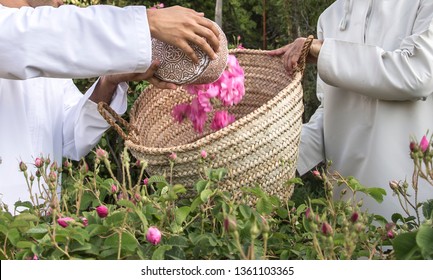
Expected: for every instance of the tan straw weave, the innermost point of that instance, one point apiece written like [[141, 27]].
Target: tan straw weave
[[259, 148]]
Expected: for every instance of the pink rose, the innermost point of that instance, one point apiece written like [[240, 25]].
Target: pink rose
[[102, 211], [181, 112], [326, 229], [424, 144], [153, 235], [101, 153], [197, 115], [221, 120], [173, 156], [39, 162], [113, 188], [84, 221], [203, 154], [64, 222]]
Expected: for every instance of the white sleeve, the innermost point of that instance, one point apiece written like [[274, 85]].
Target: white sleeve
[[83, 125], [311, 147], [401, 74], [73, 42]]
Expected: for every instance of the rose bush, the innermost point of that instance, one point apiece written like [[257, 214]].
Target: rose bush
[[98, 216]]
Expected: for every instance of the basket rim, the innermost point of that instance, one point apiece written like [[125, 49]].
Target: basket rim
[[294, 83]]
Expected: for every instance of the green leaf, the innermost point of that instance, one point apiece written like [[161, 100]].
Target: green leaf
[[24, 244], [142, 217], [175, 253], [76, 247], [178, 188], [13, 236], [254, 191], [157, 179], [405, 246], [27, 217], [26, 204], [80, 235], [126, 203], [129, 242], [86, 200], [19, 224], [354, 184], [116, 219], [319, 201], [282, 213], [427, 209], [96, 229], [264, 205], [201, 185], [424, 239], [301, 209], [376, 193], [178, 241], [397, 217], [245, 211], [221, 173], [181, 214], [296, 181], [196, 203], [159, 253], [39, 229], [204, 195]]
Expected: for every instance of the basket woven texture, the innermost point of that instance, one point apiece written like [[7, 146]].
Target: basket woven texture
[[259, 148]]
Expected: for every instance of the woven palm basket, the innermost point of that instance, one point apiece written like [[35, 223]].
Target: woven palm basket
[[259, 149]]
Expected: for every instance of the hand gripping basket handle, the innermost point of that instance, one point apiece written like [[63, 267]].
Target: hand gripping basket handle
[[302, 61], [111, 117]]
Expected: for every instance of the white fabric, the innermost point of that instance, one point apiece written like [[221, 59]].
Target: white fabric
[[49, 116], [73, 42], [45, 117], [375, 82]]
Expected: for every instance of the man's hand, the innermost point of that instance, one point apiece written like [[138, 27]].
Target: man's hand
[[292, 52], [179, 26], [107, 85]]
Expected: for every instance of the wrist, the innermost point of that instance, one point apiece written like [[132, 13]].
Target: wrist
[[315, 48], [151, 13], [109, 81]]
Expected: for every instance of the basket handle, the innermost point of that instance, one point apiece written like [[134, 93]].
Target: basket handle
[[302, 61], [111, 117]]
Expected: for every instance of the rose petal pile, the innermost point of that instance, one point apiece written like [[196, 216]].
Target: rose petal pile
[[228, 90]]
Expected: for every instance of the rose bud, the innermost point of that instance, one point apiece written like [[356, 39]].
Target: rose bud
[[113, 188], [173, 156], [84, 221], [326, 229], [39, 162], [424, 144], [102, 211], [354, 217], [230, 224], [64, 222], [153, 235], [101, 153], [203, 154], [23, 166]]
